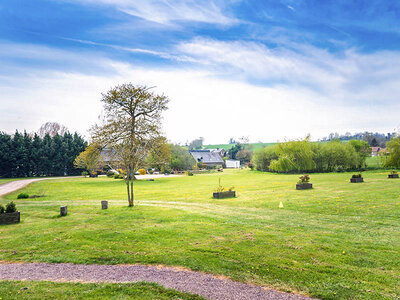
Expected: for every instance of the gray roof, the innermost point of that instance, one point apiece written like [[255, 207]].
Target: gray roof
[[207, 157]]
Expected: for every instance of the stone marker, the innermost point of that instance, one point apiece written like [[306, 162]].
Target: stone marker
[[104, 204], [63, 211]]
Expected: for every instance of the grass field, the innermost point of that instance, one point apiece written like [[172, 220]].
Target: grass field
[[37, 290], [254, 146], [337, 241]]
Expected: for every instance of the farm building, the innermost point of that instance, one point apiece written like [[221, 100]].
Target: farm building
[[232, 163], [207, 157]]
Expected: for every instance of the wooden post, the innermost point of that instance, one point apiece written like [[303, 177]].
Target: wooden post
[[104, 204], [63, 211]]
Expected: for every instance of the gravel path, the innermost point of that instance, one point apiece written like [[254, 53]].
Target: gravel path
[[198, 283]]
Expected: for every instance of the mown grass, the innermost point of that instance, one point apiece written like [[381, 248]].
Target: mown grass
[[56, 290], [339, 240]]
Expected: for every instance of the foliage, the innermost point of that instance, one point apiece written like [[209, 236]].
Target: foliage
[[2, 209], [85, 174], [52, 129], [23, 155], [190, 173], [232, 152], [356, 175], [90, 159], [11, 207], [181, 159], [196, 144], [305, 156], [131, 127], [293, 156], [393, 148], [244, 156], [22, 196], [393, 172], [304, 179], [220, 188], [160, 156], [142, 172], [263, 157], [250, 165]]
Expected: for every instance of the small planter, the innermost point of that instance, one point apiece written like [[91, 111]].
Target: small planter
[[10, 218], [393, 176], [304, 186], [356, 180], [227, 194]]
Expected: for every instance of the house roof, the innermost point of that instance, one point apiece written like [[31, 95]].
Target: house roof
[[206, 156]]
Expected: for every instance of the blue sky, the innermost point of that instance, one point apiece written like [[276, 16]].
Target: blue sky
[[269, 70]]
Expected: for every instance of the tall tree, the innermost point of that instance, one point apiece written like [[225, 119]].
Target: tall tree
[[131, 125]]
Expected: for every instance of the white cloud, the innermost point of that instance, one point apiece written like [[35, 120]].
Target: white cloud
[[204, 103], [169, 11], [351, 77]]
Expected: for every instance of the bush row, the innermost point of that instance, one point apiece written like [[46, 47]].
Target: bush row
[[304, 156]]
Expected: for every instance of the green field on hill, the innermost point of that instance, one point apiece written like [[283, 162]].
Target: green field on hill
[[337, 241], [254, 146]]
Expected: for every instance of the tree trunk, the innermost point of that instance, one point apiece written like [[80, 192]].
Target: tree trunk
[[132, 198]]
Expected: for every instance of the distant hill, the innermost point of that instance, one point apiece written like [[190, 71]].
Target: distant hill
[[226, 147]]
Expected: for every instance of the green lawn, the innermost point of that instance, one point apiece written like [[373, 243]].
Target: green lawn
[[374, 162], [339, 240], [51, 290]]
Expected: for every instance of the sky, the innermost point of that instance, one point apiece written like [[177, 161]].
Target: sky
[[269, 70]]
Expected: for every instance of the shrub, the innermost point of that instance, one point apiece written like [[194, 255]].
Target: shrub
[[304, 179], [118, 176], [250, 165], [190, 173], [356, 176], [10, 208], [393, 172], [85, 174], [151, 172], [142, 172], [121, 172], [23, 196], [2, 210], [93, 174]]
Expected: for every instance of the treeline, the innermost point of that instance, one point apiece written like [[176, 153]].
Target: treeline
[[374, 139], [24, 155], [305, 156]]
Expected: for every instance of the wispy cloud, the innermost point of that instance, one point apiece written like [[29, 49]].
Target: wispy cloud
[[351, 76], [169, 11]]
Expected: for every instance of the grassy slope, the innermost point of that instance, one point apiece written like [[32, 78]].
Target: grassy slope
[[37, 290], [339, 240], [254, 146]]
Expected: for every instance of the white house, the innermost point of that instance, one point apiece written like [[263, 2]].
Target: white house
[[231, 163]]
